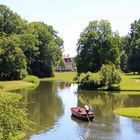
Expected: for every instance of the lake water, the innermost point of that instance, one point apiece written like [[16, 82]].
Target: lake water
[[49, 108]]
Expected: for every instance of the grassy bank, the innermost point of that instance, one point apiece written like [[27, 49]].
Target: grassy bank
[[130, 82], [27, 82], [13, 119], [61, 76], [133, 112]]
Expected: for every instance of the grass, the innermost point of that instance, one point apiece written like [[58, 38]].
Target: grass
[[27, 82], [61, 76], [14, 85], [32, 79], [133, 112], [130, 82]]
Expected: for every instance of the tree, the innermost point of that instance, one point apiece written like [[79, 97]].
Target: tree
[[29, 44], [12, 59], [10, 22], [49, 49], [110, 75], [124, 53], [97, 45], [134, 45]]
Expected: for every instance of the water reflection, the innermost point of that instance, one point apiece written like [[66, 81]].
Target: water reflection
[[49, 107], [105, 103], [44, 105]]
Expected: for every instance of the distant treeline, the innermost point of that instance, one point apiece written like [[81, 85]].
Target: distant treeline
[[26, 48]]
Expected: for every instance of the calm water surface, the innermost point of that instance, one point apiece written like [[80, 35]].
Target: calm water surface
[[49, 107]]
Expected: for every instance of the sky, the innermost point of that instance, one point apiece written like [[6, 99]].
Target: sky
[[70, 17]]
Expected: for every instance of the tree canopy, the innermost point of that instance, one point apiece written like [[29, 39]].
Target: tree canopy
[[49, 49], [33, 48], [10, 22], [97, 45], [12, 59], [131, 49]]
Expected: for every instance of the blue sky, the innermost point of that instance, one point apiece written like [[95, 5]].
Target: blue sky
[[70, 17]]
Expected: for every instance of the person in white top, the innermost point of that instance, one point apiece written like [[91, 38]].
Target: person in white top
[[87, 108]]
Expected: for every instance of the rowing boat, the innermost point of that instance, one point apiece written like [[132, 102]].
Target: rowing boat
[[81, 113]]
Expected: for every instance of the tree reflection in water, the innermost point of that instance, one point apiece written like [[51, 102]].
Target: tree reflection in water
[[105, 103], [44, 105]]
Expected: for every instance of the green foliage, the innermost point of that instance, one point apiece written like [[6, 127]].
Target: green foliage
[[10, 22], [110, 75], [89, 80], [32, 79], [61, 63], [97, 45], [29, 43], [131, 47], [12, 59], [49, 49], [134, 54], [13, 120], [33, 48]]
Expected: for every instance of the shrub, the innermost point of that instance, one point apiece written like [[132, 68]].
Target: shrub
[[89, 80], [12, 119], [32, 79], [110, 75]]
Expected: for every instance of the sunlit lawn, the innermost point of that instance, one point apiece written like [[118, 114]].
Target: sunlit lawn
[[130, 82], [133, 112], [13, 85], [61, 76]]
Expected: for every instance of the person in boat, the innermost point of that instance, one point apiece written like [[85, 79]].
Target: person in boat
[[87, 109]]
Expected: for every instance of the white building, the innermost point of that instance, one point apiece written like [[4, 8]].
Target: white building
[[68, 64]]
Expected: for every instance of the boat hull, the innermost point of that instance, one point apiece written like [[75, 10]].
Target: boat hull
[[81, 114]]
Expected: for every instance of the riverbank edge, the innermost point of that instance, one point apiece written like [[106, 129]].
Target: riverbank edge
[[130, 83], [131, 112], [29, 82], [7, 88]]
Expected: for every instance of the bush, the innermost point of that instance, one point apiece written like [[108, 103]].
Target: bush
[[110, 75], [12, 119], [89, 80], [32, 79]]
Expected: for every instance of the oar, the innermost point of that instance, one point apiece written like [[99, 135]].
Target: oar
[[88, 118]]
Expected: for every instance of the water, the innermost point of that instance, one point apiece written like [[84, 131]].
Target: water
[[49, 107]]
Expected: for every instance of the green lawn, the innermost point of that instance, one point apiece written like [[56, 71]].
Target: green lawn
[[13, 85], [130, 82], [133, 112], [61, 76], [28, 82]]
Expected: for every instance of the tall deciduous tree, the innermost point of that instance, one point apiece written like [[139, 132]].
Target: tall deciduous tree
[[49, 49], [124, 53], [10, 22], [97, 45], [12, 59], [134, 45], [29, 44]]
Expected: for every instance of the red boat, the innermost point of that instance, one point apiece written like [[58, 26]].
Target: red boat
[[81, 113]]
